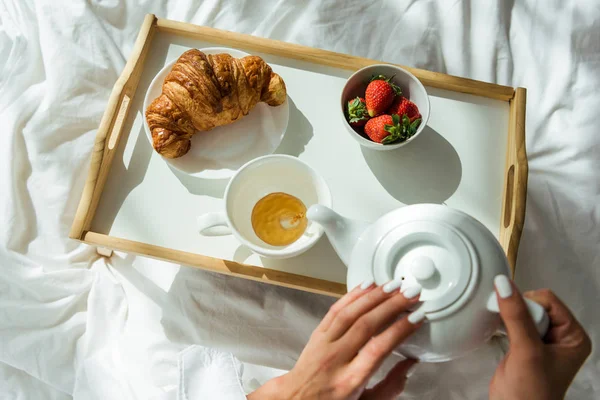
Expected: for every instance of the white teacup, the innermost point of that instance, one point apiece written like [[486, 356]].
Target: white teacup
[[255, 180]]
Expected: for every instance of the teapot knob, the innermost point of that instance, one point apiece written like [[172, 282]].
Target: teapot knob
[[422, 269]]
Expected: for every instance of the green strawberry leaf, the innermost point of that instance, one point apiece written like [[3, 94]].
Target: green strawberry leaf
[[389, 139], [401, 130], [414, 126], [356, 110], [396, 88], [395, 133], [379, 78], [392, 129]]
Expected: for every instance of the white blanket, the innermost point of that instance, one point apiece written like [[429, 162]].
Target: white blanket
[[75, 324]]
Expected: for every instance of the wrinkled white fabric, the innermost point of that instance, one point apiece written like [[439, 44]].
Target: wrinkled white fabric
[[75, 324], [204, 372]]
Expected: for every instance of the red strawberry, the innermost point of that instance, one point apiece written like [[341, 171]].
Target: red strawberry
[[375, 127], [357, 112], [402, 106], [380, 94], [387, 129]]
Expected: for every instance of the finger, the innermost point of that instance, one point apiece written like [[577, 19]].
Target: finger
[[346, 318], [564, 327], [371, 321], [378, 348], [521, 329], [557, 311], [348, 298], [393, 383]]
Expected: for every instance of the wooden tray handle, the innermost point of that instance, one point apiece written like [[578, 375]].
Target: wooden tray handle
[[109, 131], [515, 188]]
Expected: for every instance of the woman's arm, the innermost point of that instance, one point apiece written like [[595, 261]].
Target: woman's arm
[[348, 347], [536, 369]]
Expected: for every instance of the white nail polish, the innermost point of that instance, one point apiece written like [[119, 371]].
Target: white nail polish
[[411, 292], [411, 370], [503, 286], [416, 317], [391, 286], [367, 284]]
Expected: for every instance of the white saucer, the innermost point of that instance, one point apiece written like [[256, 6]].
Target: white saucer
[[218, 153]]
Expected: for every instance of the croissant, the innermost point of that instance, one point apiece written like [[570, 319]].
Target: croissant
[[205, 91]]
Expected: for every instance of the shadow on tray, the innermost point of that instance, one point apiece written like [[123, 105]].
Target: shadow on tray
[[427, 170], [334, 270], [122, 176]]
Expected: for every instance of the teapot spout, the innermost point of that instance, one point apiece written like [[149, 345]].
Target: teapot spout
[[343, 233]]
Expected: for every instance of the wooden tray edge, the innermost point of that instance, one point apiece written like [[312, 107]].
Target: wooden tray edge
[[515, 180], [260, 274], [330, 58], [112, 122]]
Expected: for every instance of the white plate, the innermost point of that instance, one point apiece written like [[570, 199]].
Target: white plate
[[218, 153]]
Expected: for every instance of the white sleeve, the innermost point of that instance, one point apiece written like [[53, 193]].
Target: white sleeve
[[206, 373]]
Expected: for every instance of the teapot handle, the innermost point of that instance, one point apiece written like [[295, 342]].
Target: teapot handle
[[537, 312]]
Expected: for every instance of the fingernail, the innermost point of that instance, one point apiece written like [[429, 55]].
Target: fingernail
[[503, 286], [391, 286], [411, 292], [416, 317], [367, 284], [411, 370]]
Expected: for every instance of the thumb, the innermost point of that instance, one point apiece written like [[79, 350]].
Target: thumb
[[393, 384], [520, 327]]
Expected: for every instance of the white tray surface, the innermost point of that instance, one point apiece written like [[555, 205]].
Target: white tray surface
[[458, 160]]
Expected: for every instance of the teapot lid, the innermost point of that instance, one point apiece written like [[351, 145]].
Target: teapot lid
[[424, 245]]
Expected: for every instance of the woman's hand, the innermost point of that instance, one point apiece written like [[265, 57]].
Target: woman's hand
[[534, 369], [348, 347]]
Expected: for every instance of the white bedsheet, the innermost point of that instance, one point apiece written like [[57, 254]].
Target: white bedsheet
[[75, 324]]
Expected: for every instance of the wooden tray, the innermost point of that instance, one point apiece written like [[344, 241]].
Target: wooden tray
[[472, 157]]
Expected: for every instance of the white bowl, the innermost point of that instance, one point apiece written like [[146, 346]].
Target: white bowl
[[255, 180], [411, 87], [218, 153]]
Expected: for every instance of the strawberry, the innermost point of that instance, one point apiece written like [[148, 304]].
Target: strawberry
[[375, 127], [380, 94], [387, 129], [403, 106], [357, 112]]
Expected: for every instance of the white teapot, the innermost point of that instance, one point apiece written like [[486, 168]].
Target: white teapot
[[449, 253]]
